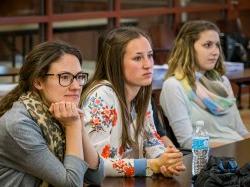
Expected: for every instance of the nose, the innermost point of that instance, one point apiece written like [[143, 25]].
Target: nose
[[75, 84], [216, 51], [148, 63]]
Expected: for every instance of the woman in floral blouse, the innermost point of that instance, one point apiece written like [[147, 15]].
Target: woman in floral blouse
[[118, 112]]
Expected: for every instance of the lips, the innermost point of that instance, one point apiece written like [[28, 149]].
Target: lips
[[212, 60], [73, 96], [147, 74]]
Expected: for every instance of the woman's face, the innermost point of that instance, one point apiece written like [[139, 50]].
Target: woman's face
[[207, 50], [138, 63], [50, 89]]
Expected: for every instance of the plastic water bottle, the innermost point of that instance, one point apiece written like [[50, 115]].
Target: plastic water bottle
[[200, 147]]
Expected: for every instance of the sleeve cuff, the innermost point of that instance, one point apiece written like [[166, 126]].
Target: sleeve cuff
[[140, 166]]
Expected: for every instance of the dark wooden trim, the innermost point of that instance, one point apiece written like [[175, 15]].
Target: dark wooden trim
[[115, 12], [23, 20], [49, 24], [51, 17], [84, 15]]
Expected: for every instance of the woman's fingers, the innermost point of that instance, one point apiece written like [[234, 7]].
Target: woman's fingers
[[56, 110], [164, 171], [171, 158], [178, 167], [65, 112], [174, 161], [51, 108], [173, 171], [181, 167], [172, 149], [80, 112]]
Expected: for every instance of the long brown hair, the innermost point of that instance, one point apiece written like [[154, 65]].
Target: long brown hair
[[183, 54], [111, 50], [36, 65]]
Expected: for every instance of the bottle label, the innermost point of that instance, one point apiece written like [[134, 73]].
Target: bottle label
[[200, 143]]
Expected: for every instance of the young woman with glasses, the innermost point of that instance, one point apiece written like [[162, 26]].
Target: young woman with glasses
[[42, 139]]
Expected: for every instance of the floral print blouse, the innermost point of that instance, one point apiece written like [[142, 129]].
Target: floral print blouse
[[103, 123]]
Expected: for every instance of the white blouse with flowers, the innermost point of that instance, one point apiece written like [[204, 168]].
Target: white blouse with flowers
[[103, 123]]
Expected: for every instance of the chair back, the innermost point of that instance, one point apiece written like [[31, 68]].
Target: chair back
[[163, 119]]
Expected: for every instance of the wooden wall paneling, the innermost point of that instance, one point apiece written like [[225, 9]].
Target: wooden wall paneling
[[228, 10]]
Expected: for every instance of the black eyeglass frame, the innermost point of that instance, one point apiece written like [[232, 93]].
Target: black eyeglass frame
[[71, 81]]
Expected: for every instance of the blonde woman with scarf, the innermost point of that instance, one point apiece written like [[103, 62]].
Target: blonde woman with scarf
[[42, 139], [197, 89]]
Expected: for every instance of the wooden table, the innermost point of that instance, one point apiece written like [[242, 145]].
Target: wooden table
[[239, 150], [240, 78]]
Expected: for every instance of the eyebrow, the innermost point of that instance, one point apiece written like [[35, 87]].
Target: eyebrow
[[151, 51], [60, 72]]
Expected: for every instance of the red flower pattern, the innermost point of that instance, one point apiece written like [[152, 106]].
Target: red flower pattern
[[94, 110], [129, 171], [97, 101], [121, 150], [102, 115], [95, 121], [148, 115], [122, 167], [157, 135], [106, 151], [114, 117], [107, 112]]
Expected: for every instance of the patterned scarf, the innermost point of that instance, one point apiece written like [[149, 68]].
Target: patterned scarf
[[51, 129], [210, 93]]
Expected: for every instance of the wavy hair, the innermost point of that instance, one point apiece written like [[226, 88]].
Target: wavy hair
[[183, 53]]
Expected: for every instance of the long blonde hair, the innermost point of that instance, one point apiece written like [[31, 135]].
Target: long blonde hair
[[111, 50], [183, 54]]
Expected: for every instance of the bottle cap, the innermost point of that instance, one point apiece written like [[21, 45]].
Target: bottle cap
[[200, 123]]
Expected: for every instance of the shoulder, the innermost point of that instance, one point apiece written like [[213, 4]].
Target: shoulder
[[225, 80], [16, 114], [105, 90], [172, 86], [19, 125], [171, 82], [102, 105], [102, 89], [101, 93]]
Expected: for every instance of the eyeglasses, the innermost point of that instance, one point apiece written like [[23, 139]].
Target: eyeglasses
[[66, 79]]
